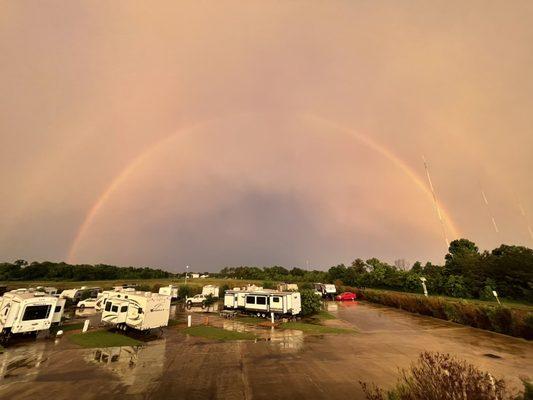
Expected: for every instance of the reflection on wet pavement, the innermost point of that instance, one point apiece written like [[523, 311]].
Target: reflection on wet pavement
[[281, 364], [137, 367]]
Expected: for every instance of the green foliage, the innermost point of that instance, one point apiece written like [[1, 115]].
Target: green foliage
[[269, 285], [436, 376], [514, 322], [311, 303], [20, 270], [102, 339]]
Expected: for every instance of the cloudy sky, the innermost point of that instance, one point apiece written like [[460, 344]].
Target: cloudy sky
[[215, 133]]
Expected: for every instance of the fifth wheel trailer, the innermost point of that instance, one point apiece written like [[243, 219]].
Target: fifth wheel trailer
[[264, 302], [142, 311], [25, 312]]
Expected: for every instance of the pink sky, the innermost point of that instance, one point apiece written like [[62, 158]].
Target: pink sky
[[260, 133]]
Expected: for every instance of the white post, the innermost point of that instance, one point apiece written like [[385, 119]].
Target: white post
[[496, 295], [189, 321], [424, 285], [86, 326], [272, 318]]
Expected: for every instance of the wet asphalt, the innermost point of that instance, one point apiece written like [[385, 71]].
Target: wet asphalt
[[282, 364]]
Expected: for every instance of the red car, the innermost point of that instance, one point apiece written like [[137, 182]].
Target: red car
[[346, 296]]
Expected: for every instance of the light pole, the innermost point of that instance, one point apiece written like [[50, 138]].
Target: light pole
[[186, 272], [495, 294], [424, 285]]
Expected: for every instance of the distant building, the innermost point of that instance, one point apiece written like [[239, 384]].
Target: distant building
[[195, 275]]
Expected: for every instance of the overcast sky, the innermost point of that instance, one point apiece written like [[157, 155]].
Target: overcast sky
[[214, 133]]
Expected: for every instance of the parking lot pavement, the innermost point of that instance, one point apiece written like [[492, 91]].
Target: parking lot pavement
[[283, 364]]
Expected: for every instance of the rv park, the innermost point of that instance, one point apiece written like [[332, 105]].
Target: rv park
[[140, 344]]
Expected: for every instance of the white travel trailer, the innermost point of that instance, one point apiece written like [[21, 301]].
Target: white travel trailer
[[210, 290], [76, 294], [327, 290], [169, 290], [287, 287], [142, 311], [264, 302], [27, 312], [59, 310]]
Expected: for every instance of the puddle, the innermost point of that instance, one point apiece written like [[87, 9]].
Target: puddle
[[283, 339], [138, 367], [20, 363]]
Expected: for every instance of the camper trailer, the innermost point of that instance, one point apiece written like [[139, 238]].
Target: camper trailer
[[264, 302], [328, 291], [287, 287], [24, 312], [58, 311], [169, 290], [76, 295], [210, 290], [142, 311]]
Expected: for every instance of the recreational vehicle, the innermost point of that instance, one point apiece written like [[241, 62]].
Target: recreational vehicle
[[264, 302], [142, 311], [76, 295], [326, 290], [169, 290], [210, 290], [27, 312], [287, 287]]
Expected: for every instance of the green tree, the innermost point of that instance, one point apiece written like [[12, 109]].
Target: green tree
[[311, 303]]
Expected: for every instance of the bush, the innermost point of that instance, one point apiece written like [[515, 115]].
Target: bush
[[496, 318], [311, 303], [437, 376]]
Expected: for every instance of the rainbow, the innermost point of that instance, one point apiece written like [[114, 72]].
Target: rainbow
[[138, 161]]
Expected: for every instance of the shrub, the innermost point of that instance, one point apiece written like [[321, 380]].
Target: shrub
[[269, 285], [505, 320], [311, 303], [436, 376]]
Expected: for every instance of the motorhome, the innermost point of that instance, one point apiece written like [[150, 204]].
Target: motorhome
[[264, 302], [142, 311], [210, 290], [47, 289], [24, 312], [77, 294], [169, 290], [287, 287], [326, 290]]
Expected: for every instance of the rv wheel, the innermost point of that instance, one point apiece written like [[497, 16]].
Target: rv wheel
[[82, 306]]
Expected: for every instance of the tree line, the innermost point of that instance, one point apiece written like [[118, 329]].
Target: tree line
[[467, 272], [21, 270]]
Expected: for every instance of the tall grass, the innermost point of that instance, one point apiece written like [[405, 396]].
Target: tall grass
[[436, 376], [510, 321]]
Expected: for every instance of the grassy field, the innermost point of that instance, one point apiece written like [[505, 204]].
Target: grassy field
[[102, 339], [315, 328], [508, 303], [148, 282], [211, 332]]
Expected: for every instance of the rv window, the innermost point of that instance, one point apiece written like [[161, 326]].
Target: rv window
[[114, 309], [36, 312], [275, 299], [261, 300], [58, 308], [250, 300], [140, 310], [108, 306], [124, 309]]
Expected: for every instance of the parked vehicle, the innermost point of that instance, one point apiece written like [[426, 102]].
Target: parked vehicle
[[346, 296], [87, 303], [196, 300], [142, 311], [327, 290], [169, 290], [210, 290], [47, 289], [76, 295], [59, 310], [264, 302], [288, 287], [25, 312]]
